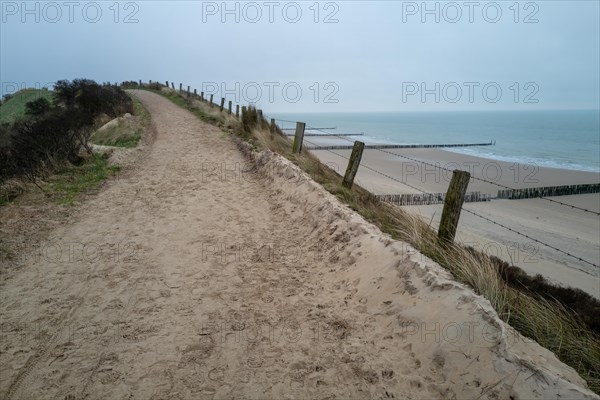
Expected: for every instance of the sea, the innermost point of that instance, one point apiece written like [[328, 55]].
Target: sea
[[568, 139]]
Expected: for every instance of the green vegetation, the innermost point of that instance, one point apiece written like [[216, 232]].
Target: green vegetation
[[48, 145], [14, 107], [70, 181], [535, 314]]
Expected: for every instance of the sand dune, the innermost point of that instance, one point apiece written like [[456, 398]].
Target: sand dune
[[216, 284]]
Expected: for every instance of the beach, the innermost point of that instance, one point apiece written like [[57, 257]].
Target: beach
[[558, 225]]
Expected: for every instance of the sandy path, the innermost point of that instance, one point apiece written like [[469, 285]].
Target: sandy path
[[306, 300]]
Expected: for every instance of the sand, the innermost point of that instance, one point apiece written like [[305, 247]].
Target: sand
[[190, 283], [568, 229]]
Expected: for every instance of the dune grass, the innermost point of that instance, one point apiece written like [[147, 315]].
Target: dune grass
[[547, 322]]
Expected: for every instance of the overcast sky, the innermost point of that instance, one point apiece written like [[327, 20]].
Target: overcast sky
[[326, 56]]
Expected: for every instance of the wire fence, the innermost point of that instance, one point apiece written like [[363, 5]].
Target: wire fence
[[472, 177], [471, 212], [425, 193]]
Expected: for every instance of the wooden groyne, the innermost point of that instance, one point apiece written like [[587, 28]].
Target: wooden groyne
[[400, 146], [328, 135], [315, 129], [548, 191], [419, 199]]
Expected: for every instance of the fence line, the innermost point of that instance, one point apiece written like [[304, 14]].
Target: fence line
[[468, 197], [483, 180], [494, 183], [530, 238], [482, 217]]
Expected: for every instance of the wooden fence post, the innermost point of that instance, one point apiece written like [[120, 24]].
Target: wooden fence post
[[211, 100], [188, 91], [167, 84], [243, 111], [173, 85], [140, 82], [237, 110], [202, 96], [353, 163], [453, 205], [150, 82], [229, 106], [195, 93], [259, 117], [298, 138], [273, 126], [222, 104], [180, 87]]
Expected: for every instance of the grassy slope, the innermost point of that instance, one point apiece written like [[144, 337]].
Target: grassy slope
[[125, 134], [15, 107], [67, 183]]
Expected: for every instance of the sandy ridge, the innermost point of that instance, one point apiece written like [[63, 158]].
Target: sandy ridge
[[211, 282]]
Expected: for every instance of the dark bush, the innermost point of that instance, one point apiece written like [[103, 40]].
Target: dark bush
[[37, 107], [129, 84], [65, 92], [91, 99], [57, 133]]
